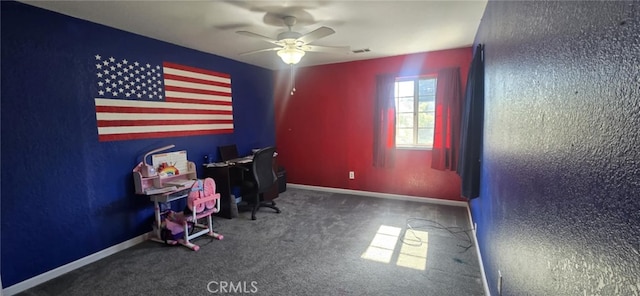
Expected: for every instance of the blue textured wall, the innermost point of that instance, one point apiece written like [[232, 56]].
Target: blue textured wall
[[559, 210], [64, 194]]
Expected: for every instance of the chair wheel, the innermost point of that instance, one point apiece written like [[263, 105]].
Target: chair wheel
[[253, 217], [277, 211]]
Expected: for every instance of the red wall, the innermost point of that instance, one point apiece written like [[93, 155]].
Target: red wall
[[325, 129]]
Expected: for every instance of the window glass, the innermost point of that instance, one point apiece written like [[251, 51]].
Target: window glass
[[427, 87], [405, 104], [425, 136], [426, 105], [404, 120], [404, 136], [405, 88], [426, 120], [415, 112]]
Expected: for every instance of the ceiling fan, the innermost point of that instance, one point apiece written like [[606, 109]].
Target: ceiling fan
[[293, 45]]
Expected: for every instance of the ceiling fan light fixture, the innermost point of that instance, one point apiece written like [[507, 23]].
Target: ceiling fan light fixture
[[290, 55]]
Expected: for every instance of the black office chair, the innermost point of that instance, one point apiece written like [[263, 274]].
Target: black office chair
[[264, 180]]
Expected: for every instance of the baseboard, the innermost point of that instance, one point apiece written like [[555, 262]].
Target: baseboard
[[382, 195], [39, 279], [485, 284]]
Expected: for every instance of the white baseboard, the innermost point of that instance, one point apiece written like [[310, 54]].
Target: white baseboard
[[382, 195], [485, 284], [41, 278]]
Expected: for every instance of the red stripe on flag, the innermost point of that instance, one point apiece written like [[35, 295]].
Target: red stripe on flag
[[196, 70], [197, 91], [113, 109], [203, 91], [112, 123], [197, 101], [195, 80], [119, 137]]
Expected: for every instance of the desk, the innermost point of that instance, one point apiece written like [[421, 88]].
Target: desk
[[227, 175], [191, 227], [170, 188]]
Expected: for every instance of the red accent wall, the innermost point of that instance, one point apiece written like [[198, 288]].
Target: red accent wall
[[325, 129]]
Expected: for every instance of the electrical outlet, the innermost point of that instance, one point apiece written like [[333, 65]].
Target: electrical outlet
[[352, 175], [499, 283]]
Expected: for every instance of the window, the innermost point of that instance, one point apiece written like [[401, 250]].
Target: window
[[415, 111]]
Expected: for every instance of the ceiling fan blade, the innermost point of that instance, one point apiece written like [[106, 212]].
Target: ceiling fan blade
[[327, 49], [261, 50], [316, 34], [254, 35]]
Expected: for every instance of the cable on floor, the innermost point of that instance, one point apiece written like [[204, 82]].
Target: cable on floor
[[455, 231]]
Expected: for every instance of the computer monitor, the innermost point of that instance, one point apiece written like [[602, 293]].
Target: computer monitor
[[228, 152]]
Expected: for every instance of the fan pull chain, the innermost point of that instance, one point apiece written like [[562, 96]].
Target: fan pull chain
[[293, 81]]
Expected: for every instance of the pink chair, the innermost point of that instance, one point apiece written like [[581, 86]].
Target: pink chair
[[203, 201]]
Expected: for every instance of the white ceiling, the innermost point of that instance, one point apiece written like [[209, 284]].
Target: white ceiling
[[387, 28]]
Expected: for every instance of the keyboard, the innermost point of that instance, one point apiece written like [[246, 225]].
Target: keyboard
[[245, 159]]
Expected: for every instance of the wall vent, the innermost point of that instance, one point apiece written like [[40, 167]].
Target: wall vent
[[361, 50]]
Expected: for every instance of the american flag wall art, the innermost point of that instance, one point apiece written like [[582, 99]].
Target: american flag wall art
[[136, 100]]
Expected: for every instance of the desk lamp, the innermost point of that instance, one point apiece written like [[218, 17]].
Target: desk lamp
[[148, 170]]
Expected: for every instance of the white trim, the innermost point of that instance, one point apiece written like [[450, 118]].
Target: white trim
[[485, 284], [51, 274], [382, 195]]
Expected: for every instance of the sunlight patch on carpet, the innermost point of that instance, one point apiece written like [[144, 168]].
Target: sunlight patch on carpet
[[413, 247], [382, 245], [413, 253]]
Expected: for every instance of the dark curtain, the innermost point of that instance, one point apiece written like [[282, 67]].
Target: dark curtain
[[472, 126], [384, 121], [446, 135]]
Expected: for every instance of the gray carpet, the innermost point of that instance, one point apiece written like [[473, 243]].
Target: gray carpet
[[314, 247]]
